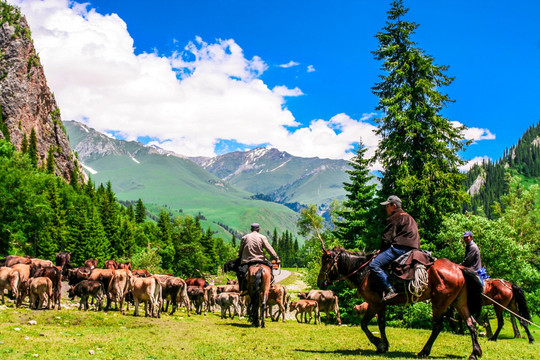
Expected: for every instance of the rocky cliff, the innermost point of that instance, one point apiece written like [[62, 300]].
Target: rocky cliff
[[26, 103]]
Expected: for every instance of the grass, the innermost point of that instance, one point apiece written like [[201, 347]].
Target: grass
[[71, 334]]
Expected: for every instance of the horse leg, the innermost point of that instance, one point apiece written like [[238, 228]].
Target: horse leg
[[512, 306], [500, 322], [435, 330], [370, 313], [517, 333], [487, 325], [471, 324], [381, 321]]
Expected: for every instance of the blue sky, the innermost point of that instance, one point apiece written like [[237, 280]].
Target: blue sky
[[296, 75]]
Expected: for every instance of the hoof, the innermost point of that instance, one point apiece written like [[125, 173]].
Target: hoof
[[422, 354]]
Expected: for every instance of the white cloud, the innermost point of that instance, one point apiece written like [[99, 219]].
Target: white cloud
[[477, 160], [186, 102], [285, 91], [310, 68], [289, 64], [475, 134]]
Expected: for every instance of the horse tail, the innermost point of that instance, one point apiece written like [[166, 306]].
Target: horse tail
[[475, 289], [519, 296], [253, 308]]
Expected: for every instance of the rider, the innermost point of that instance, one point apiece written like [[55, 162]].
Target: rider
[[473, 259], [251, 252], [399, 236]]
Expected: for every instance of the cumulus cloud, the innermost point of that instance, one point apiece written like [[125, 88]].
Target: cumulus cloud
[[186, 102], [474, 133], [475, 161], [310, 68], [289, 64]]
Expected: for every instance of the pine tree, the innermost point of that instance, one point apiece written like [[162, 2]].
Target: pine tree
[[357, 227], [50, 161], [140, 212], [233, 241], [419, 148], [32, 149], [24, 144]]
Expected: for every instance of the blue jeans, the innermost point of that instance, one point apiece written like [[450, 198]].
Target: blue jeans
[[383, 261]]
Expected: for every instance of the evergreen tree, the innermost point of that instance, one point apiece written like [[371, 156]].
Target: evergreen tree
[[357, 228], [166, 248], [32, 149], [140, 212], [419, 148], [24, 144], [109, 210], [233, 241], [209, 247], [50, 161]]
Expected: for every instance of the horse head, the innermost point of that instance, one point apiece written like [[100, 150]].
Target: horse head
[[340, 262]]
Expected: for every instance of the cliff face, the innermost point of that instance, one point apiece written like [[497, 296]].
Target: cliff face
[[26, 103]]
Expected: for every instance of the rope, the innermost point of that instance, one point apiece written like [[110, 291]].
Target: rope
[[511, 312], [419, 283]]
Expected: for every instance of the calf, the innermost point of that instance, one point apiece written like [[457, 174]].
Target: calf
[[147, 290], [174, 290], [84, 290], [14, 260], [9, 280], [53, 273], [198, 298], [42, 263], [327, 300], [119, 286], [91, 263], [38, 287], [24, 274], [105, 276], [226, 300], [228, 288], [277, 296], [211, 292], [304, 307]]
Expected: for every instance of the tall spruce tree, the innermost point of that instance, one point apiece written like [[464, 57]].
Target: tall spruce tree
[[419, 147], [356, 228], [32, 149], [140, 212]]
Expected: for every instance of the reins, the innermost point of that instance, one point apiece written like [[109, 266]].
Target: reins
[[351, 274]]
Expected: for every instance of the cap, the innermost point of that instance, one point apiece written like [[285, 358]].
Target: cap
[[467, 233], [255, 226], [392, 199]]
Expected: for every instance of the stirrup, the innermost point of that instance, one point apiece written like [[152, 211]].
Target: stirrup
[[389, 296]]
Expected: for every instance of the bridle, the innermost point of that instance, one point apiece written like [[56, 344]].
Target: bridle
[[334, 267]]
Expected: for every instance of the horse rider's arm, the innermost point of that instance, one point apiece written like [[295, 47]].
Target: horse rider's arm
[[241, 247], [269, 248]]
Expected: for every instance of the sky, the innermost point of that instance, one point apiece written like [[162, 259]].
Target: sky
[[207, 77]]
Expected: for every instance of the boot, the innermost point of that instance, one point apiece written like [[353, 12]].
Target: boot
[[389, 295]]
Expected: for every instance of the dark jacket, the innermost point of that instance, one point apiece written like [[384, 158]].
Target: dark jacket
[[401, 229], [472, 256]]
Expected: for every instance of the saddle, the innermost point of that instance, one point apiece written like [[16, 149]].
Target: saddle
[[405, 266]]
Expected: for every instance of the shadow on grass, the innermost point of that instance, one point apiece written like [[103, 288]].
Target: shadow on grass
[[237, 325], [368, 353]]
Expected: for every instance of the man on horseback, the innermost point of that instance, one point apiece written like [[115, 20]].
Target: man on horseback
[[473, 259], [399, 237], [251, 252]]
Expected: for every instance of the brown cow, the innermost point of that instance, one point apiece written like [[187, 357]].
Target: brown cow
[[211, 292], [37, 289], [174, 290], [119, 286], [327, 300], [9, 280], [40, 262], [228, 288], [141, 273], [197, 282], [14, 260], [53, 273], [198, 298], [125, 266], [147, 290], [111, 264], [226, 300], [24, 274], [84, 290], [63, 260], [79, 274], [305, 307], [91, 263], [277, 296]]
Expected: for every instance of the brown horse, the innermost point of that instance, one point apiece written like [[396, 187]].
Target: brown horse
[[258, 280], [510, 296], [448, 284]]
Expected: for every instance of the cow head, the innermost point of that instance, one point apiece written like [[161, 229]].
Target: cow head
[[302, 295]]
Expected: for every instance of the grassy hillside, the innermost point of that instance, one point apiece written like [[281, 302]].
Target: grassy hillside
[[155, 177]]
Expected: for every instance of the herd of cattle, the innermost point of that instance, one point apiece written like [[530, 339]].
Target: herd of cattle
[[41, 280]]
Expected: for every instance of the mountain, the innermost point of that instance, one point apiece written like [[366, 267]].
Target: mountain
[[281, 177], [486, 182], [173, 181], [26, 103]]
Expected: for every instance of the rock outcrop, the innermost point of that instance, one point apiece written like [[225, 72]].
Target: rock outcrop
[[26, 102]]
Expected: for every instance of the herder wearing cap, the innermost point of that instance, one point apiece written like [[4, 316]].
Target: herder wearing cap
[[251, 252], [473, 259], [399, 237]]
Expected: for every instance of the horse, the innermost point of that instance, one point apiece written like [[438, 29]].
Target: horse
[[258, 280], [508, 295], [447, 284]]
